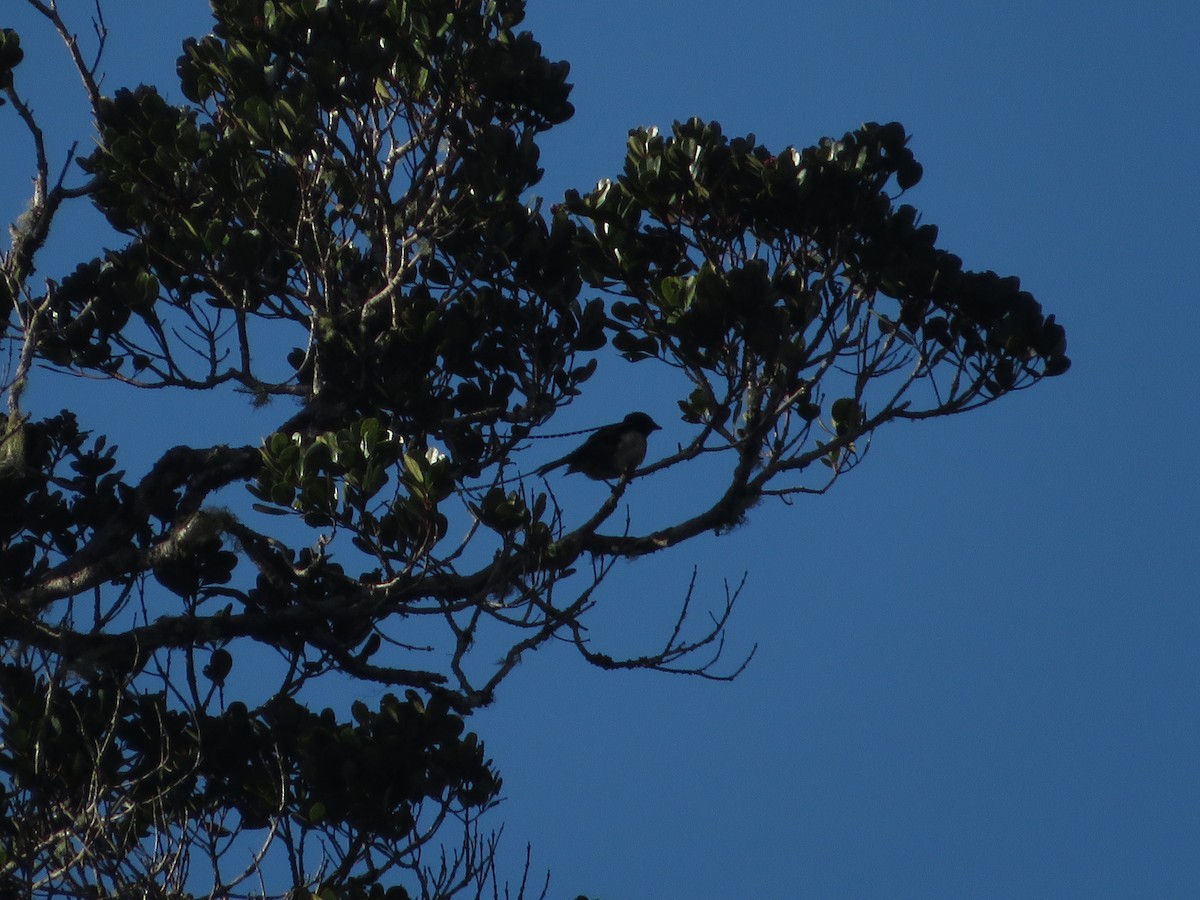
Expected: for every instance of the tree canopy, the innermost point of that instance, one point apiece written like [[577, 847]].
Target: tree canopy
[[340, 223]]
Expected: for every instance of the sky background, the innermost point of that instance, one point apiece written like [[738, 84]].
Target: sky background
[[977, 671]]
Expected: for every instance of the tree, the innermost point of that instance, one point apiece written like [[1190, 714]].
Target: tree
[[338, 223]]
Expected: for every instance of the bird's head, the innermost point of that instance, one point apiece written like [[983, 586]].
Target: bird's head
[[641, 423]]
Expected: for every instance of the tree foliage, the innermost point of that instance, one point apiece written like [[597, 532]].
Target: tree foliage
[[339, 219]]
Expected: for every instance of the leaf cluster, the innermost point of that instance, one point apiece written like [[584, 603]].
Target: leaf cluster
[[57, 490], [11, 55], [232, 773], [722, 244]]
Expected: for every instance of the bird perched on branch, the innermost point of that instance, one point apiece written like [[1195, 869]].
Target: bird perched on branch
[[611, 451]]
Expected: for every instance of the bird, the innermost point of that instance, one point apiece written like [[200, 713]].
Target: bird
[[611, 451]]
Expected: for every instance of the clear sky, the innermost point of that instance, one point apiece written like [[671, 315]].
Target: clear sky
[[978, 666]]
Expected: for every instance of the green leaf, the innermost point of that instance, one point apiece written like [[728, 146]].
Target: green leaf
[[416, 472]]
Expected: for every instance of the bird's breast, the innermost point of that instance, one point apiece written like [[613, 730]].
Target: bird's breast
[[631, 450]]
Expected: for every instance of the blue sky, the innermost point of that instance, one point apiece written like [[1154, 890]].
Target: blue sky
[[978, 666]]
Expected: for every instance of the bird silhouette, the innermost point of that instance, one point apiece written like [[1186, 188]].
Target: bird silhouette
[[611, 451]]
